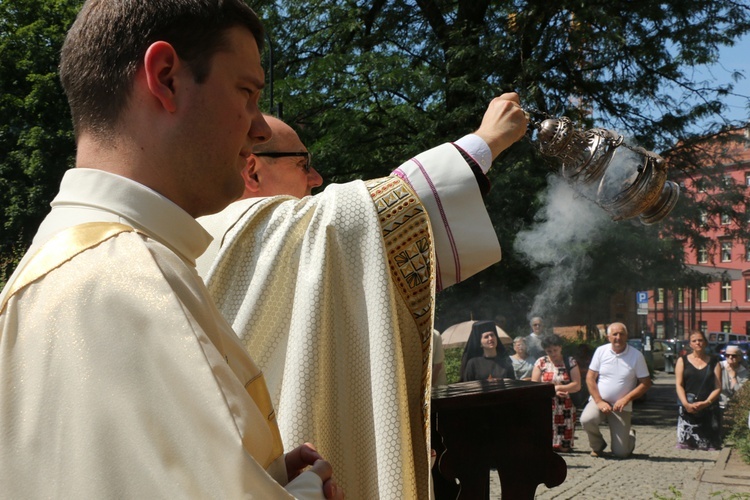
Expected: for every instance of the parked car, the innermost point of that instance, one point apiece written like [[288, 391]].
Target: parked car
[[654, 357], [724, 337], [716, 348], [672, 349]]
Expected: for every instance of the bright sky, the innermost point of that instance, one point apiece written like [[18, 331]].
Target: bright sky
[[735, 58]]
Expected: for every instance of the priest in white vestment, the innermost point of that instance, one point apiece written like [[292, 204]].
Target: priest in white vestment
[[333, 295], [118, 376]]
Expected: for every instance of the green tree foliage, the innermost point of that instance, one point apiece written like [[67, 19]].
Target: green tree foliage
[[735, 422], [36, 139], [370, 83]]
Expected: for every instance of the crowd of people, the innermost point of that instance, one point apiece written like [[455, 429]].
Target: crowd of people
[[617, 375], [485, 358]]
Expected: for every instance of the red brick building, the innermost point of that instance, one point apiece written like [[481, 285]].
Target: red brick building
[[724, 303]]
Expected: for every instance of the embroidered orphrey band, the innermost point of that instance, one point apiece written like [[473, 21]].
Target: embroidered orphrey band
[[408, 243]]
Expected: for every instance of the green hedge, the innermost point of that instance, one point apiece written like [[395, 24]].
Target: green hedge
[[453, 364], [735, 422]]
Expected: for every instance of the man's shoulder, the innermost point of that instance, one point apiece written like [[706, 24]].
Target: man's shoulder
[[114, 268], [602, 349], [65, 249], [218, 222], [634, 354]]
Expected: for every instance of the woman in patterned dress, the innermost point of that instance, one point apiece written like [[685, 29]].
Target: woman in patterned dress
[[552, 369]]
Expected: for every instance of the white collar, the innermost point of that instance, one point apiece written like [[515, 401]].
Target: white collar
[[138, 205]]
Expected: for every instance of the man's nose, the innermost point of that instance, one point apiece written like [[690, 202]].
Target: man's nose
[[314, 179], [260, 131]]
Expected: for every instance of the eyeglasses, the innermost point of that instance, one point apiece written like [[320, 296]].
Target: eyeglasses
[[732, 355], [282, 154]]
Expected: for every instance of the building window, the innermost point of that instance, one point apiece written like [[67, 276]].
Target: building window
[[747, 251], [704, 218], [660, 295], [703, 254], [726, 251], [747, 327], [680, 330], [680, 295], [726, 326], [747, 290], [747, 179], [703, 326], [726, 291], [726, 219], [727, 181], [704, 293]]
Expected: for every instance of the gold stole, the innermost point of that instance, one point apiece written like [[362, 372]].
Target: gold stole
[[70, 242], [59, 249], [409, 247]]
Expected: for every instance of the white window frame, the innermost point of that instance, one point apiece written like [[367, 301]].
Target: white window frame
[[726, 291], [726, 256]]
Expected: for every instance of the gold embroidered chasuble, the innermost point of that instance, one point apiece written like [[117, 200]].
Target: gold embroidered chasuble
[[333, 297]]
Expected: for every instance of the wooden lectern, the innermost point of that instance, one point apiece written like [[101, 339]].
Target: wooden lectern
[[499, 424]]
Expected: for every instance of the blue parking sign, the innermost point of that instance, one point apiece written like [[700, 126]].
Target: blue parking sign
[[641, 297]]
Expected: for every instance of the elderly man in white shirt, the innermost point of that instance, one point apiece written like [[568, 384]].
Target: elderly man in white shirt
[[617, 375]]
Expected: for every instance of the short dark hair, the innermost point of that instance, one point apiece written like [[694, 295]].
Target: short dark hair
[[551, 340], [108, 40]]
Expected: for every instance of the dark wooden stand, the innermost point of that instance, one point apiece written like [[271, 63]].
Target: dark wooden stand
[[501, 424]]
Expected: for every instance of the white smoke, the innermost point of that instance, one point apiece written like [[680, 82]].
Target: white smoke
[[557, 242]]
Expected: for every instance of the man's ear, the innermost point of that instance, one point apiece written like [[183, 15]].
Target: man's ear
[[161, 65], [250, 175]]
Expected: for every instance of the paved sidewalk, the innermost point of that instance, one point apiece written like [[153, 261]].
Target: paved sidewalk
[[655, 467]]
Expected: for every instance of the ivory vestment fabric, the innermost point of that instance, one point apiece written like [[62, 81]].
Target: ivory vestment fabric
[[333, 297], [118, 376]]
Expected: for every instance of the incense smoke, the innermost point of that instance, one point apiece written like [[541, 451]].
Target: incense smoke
[[568, 223], [556, 244]]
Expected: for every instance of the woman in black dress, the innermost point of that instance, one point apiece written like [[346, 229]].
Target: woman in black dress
[[698, 383], [484, 357]]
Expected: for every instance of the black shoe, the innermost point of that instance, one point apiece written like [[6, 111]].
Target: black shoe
[[597, 454]]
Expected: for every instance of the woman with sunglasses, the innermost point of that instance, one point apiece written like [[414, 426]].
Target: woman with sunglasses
[[733, 374]]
